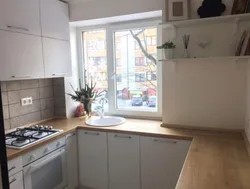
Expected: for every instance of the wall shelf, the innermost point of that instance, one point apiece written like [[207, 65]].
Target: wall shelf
[[212, 20], [236, 58]]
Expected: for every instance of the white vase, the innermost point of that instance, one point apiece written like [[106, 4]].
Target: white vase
[[169, 53], [186, 53]]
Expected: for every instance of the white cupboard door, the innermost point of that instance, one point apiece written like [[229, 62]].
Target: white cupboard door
[[55, 19], [20, 56], [57, 58], [20, 16], [16, 181], [162, 160], [93, 159], [124, 161], [72, 160]]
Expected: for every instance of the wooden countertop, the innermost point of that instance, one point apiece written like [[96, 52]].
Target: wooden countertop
[[215, 160]]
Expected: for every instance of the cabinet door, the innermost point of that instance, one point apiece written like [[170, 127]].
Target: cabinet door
[[93, 159], [55, 19], [16, 181], [20, 56], [124, 161], [20, 16], [162, 160], [57, 59], [72, 161]]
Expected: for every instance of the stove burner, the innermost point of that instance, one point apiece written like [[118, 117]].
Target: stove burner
[[26, 136]]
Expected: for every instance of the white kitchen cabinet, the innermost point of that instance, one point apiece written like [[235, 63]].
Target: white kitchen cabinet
[[20, 16], [55, 19], [72, 161], [57, 59], [162, 160], [16, 181], [124, 161], [93, 159], [20, 56]]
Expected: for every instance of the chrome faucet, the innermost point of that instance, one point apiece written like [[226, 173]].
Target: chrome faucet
[[100, 106]]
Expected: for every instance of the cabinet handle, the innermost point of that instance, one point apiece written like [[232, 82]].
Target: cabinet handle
[[122, 136], [90, 133], [21, 76], [12, 168], [165, 141], [59, 74], [17, 28], [12, 181]]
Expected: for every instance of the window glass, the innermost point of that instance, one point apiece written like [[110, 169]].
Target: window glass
[[136, 72]]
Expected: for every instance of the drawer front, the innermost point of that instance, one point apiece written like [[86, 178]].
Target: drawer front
[[15, 165], [42, 151], [16, 181]]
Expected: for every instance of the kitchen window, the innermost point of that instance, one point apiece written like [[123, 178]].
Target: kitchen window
[[126, 68]]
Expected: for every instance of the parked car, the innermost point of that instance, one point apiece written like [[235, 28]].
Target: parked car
[[137, 100], [152, 100]]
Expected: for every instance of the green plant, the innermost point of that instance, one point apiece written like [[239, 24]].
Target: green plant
[[86, 95], [167, 45]]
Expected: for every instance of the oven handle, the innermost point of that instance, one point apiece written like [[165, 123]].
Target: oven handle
[[37, 166]]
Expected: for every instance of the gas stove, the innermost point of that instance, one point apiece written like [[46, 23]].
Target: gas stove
[[23, 137]]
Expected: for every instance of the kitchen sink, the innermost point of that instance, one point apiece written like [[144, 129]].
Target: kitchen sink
[[105, 121]]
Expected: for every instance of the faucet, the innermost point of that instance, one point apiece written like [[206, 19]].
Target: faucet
[[100, 107]]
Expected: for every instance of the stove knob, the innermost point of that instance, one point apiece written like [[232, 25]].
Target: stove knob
[[32, 157], [50, 127], [36, 127], [46, 127], [40, 127], [47, 150]]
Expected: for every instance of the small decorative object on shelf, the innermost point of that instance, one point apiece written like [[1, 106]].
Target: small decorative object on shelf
[[177, 9], [243, 48], [240, 7], [185, 39], [211, 8], [79, 111], [168, 48], [86, 96]]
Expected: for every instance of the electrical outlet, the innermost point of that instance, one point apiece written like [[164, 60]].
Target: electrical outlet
[[26, 101]]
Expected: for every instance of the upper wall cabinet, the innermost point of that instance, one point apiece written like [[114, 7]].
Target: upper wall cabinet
[[57, 60], [20, 16], [20, 56], [55, 19]]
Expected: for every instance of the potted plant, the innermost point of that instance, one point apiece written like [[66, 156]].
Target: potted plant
[[168, 47], [86, 96]]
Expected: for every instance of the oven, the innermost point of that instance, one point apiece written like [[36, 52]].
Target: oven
[[48, 172]]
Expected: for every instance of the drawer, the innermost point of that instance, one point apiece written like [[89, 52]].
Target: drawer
[[15, 165], [39, 152], [16, 181]]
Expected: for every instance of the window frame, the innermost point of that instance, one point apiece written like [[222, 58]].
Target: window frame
[[111, 67]]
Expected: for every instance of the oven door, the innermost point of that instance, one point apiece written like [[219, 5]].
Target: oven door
[[48, 172]]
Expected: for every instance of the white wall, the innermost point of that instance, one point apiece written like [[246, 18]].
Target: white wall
[[74, 80], [108, 8], [205, 94]]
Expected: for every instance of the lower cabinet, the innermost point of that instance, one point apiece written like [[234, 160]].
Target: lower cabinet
[[162, 160], [124, 161], [93, 159], [16, 181], [72, 165]]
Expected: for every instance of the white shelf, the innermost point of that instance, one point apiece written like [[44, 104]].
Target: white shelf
[[212, 20], [236, 58]]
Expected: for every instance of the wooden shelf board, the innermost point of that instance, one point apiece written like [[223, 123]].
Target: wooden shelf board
[[205, 58]]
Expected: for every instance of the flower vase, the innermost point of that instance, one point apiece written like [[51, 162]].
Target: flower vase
[[186, 53], [87, 103]]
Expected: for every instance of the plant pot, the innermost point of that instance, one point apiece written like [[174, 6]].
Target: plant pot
[[87, 103], [169, 53]]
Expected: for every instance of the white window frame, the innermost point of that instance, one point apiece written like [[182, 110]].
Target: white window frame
[[110, 47]]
